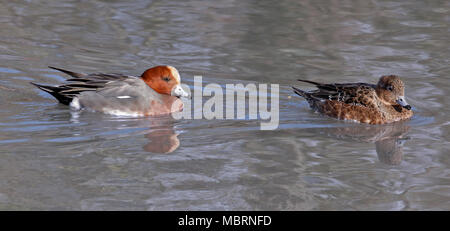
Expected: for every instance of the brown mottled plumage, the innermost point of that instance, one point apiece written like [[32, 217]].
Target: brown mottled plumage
[[361, 102]]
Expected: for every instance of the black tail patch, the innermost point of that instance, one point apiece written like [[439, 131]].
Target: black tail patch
[[55, 92]]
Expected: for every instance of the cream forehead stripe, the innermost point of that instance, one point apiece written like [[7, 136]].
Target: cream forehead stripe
[[175, 73]]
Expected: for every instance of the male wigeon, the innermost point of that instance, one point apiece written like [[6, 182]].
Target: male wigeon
[[361, 102], [155, 92]]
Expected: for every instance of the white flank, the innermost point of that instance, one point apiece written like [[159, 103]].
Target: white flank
[[123, 113], [75, 104], [124, 97]]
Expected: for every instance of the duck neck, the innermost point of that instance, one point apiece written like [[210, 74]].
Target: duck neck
[[395, 112]]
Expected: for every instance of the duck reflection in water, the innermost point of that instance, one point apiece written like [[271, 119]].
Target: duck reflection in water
[[388, 139], [162, 140], [160, 132], [162, 136]]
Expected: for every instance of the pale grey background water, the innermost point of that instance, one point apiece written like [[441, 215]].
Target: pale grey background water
[[52, 159]]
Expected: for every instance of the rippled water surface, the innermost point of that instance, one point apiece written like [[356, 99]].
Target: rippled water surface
[[52, 158]]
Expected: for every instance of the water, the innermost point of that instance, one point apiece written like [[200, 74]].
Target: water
[[52, 158]]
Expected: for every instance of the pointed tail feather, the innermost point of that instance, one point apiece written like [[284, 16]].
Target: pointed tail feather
[[322, 86], [45, 88], [307, 95], [73, 74], [309, 81], [55, 92], [301, 93]]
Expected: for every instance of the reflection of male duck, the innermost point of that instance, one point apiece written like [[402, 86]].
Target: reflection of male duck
[[162, 140], [388, 138], [159, 130], [162, 137]]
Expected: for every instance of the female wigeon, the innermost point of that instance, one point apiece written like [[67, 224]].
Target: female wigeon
[[155, 92], [361, 102]]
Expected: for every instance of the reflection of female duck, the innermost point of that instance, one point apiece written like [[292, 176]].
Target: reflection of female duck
[[388, 138], [390, 151]]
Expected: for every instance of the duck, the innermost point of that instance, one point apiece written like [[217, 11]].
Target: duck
[[156, 92], [379, 103]]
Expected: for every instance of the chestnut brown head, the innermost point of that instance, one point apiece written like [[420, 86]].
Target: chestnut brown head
[[164, 80]]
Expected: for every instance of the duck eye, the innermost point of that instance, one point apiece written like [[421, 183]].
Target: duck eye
[[167, 79], [389, 88]]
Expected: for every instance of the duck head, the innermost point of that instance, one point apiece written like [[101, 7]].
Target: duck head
[[164, 80], [392, 91]]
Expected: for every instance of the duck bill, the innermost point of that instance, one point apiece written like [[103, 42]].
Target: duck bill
[[401, 100], [177, 91]]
